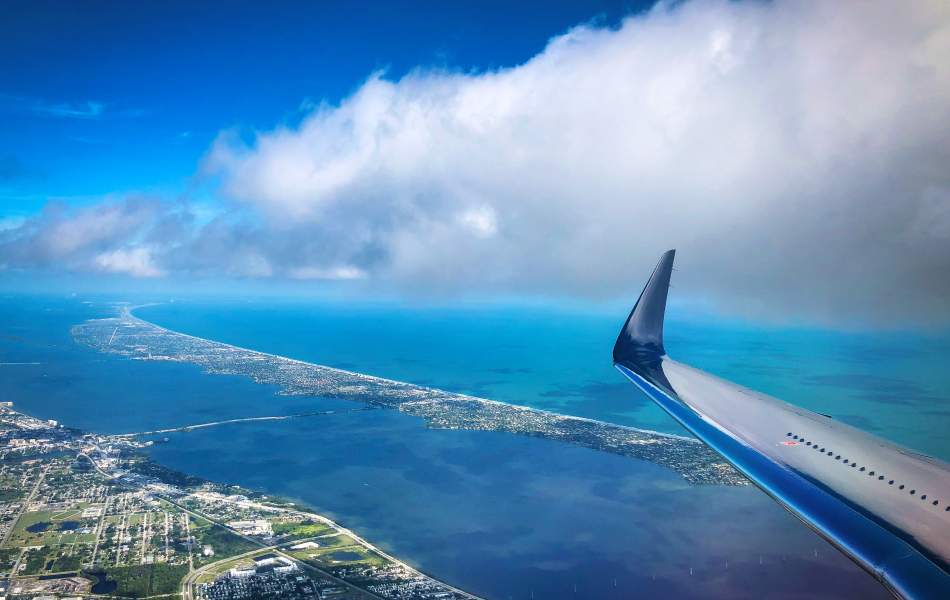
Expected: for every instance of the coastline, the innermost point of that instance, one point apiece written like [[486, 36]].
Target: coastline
[[137, 339], [129, 312], [457, 503], [119, 461]]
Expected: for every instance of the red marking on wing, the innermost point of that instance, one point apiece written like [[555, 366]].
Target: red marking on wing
[[790, 443]]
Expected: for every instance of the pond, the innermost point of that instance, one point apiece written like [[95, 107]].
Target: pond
[[102, 584], [38, 527], [344, 555]]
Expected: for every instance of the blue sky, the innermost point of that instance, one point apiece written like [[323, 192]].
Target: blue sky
[[794, 153], [110, 97]]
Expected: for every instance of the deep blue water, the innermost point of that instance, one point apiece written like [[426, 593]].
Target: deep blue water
[[501, 515]]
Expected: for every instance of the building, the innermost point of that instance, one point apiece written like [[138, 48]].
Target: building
[[255, 527], [268, 559], [241, 573], [305, 546]]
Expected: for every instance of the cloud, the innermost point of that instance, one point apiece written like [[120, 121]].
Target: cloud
[[84, 110], [342, 273], [148, 237], [795, 153], [88, 110], [11, 222], [60, 237], [132, 261]]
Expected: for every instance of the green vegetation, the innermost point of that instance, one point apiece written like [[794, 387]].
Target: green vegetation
[[302, 529], [335, 551], [336, 541], [224, 542], [21, 537], [66, 563], [52, 535], [223, 567], [70, 514], [8, 559], [50, 559], [146, 580], [199, 521], [10, 494], [164, 474], [36, 561]]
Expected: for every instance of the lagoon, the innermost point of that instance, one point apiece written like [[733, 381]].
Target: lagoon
[[497, 514]]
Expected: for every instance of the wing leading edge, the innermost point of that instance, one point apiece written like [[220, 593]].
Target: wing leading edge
[[891, 515]]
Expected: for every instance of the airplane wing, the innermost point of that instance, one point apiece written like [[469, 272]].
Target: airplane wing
[[884, 506]]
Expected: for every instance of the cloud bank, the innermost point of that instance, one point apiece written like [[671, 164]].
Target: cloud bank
[[796, 154]]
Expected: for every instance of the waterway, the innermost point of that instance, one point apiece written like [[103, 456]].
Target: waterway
[[501, 515]]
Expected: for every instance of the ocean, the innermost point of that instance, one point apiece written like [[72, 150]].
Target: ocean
[[498, 514]]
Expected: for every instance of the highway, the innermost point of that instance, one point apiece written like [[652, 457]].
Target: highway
[[23, 508], [188, 582], [245, 420]]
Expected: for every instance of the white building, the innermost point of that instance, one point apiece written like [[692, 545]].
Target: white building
[[255, 527], [241, 573]]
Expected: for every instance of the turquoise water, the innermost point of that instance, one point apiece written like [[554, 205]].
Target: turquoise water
[[896, 385], [502, 515]]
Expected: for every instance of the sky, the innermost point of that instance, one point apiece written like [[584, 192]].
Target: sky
[[795, 153], [119, 97]]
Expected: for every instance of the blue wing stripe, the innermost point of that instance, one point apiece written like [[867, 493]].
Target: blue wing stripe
[[900, 567]]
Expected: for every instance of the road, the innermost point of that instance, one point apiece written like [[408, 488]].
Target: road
[[244, 420], [187, 583], [23, 508], [26, 503]]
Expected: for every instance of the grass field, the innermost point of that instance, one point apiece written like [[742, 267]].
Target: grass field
[[52, 536], [324, 555], [146, 580], [223, 542], [213, 573], [303, 529], [71, 514]]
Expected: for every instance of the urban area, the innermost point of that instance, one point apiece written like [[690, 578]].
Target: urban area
[[130, 336], [85, 515]]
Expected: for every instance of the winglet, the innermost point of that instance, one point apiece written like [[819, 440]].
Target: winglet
[[643, 331]]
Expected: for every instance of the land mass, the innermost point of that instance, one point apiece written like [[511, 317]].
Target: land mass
[[130, 336], [88, 515]]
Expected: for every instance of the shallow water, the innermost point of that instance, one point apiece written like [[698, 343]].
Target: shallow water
[[893, 384], [498, 514]]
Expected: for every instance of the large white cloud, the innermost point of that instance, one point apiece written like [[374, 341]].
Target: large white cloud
[[796, 153], [104, 237]]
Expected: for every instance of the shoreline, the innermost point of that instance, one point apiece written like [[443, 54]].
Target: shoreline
[[172, 486], [128, 311], [135, 338]]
